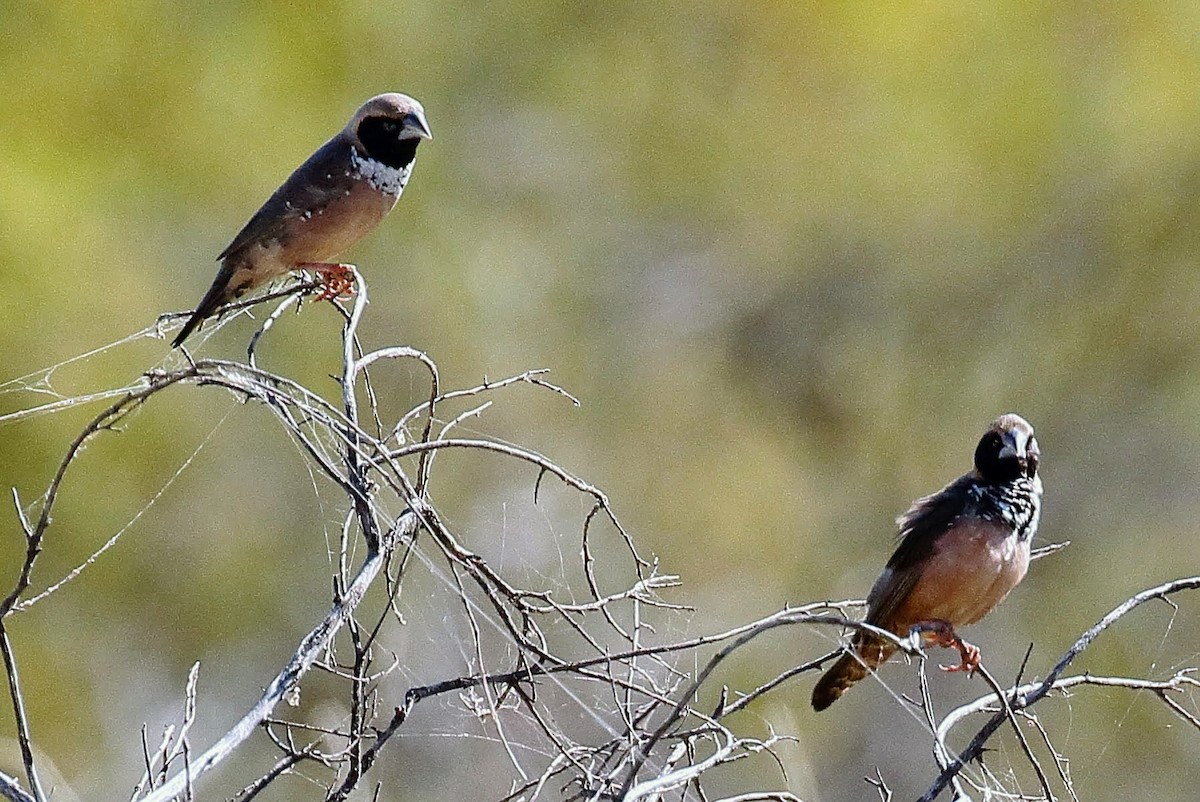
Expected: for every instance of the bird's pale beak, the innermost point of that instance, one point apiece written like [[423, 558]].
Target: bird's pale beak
[[1016, 446], [1009, 450], [415, 125]]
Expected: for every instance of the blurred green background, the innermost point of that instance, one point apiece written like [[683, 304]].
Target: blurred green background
[[793, 257]]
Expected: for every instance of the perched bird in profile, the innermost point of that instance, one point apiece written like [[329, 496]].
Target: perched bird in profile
[[961, 551], [338, 196]]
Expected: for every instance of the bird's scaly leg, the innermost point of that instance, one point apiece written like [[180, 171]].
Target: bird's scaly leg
[[941, 633]]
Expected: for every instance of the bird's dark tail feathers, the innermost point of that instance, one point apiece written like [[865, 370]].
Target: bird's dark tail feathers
[[220, 292], [867, 654]]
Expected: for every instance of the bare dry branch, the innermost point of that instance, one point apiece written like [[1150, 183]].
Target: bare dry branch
[[590, 641], [1028, 695]]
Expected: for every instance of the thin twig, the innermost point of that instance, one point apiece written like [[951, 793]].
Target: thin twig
[[18, 703]]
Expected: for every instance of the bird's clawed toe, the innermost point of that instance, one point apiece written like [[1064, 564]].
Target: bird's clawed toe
[[337, 280], [970, 657]]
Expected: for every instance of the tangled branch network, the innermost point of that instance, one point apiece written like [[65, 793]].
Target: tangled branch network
[[573, 685]]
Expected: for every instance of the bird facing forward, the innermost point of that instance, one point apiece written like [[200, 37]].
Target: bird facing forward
[[338, 196], [962, 550]]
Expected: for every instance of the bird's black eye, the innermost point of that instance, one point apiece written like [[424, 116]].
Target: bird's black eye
[[987, 453]]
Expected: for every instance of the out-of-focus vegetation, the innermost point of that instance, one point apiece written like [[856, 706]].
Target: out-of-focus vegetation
[[793, 257]]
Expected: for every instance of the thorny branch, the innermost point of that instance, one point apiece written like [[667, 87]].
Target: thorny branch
[[529, 654]]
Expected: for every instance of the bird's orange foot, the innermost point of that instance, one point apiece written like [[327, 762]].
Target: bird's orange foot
[[941, 633], [970, 657], [336, 279]]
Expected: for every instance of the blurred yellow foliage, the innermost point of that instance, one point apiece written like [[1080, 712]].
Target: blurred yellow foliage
[[793, 257]]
